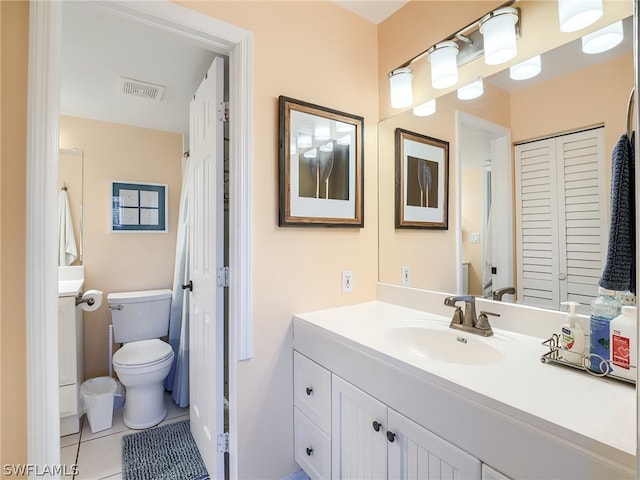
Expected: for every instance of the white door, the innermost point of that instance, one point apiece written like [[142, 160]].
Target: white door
[[415, 453], [561, 218], [206, 373], [358, 433]]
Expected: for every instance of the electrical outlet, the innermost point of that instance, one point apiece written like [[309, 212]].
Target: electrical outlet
[[347, 281], [405, 275], [474, 238]]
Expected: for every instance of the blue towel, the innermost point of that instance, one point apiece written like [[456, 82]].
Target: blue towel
[[620, 269]]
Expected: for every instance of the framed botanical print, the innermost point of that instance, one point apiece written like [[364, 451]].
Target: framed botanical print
[[422, 181], [320, 166]]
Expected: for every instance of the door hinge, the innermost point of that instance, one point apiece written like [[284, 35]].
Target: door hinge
[[223, 111], [223, 442], [223, 276]]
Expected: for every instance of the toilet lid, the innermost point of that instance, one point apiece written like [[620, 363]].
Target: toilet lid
[[142, 352]]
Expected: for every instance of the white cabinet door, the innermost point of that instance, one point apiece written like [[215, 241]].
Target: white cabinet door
[[358, 433], [489, 473], [415, 453]]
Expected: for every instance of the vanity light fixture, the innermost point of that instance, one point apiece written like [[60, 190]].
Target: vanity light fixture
[[401, 89], [499, 32], [493, 35], [577, 14], [444, 64], [527, 69], [471, 90], [425, 109], [604, 39]]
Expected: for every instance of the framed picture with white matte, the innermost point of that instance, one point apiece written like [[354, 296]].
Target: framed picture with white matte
[[320, 166], [422, 181], [138, 207]]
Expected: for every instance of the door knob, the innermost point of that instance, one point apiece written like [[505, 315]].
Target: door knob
[[188, 286]]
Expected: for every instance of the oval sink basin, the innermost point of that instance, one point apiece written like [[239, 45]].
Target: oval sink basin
[[446, 345]]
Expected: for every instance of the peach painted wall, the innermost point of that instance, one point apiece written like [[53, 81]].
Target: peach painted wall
[[581, 99], [120, 262], [320, 53], [14, 28]]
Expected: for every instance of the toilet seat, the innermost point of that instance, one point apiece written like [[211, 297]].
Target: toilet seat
[[142, 353]]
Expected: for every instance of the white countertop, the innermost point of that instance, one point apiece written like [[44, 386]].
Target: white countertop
[[603, 410], [69, 288]]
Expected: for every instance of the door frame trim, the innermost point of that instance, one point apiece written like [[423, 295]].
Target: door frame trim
[[43, 110]]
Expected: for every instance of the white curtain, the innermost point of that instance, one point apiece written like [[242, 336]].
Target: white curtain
[[178, 380]]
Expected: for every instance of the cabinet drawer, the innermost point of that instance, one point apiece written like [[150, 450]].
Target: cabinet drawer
[[68, 400], [312, 447], [312, 391]]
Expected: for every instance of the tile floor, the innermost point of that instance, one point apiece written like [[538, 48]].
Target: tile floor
[[99, 455]]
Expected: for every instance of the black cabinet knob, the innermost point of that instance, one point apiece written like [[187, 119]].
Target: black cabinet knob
[[391, 436], [377, 426], [309, 451], [188, 286], [309, 391]]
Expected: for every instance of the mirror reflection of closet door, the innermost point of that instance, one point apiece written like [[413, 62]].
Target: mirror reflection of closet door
[[561, 222]]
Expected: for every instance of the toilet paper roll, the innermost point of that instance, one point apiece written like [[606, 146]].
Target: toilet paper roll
[[91, 300]]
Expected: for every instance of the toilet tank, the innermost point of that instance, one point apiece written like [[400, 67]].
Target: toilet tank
[[140, 315]]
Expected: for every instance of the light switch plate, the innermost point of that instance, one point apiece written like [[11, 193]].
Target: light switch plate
[[474, 238]]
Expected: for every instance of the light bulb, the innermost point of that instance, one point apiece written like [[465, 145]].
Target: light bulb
[[527, 69], [401, 89], [499, 33], [444, 64], [577, 14], [425, 109], [471, 90], [604, 39]]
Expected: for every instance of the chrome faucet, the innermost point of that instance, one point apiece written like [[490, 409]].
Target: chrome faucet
[[501, 292], [467, 320]]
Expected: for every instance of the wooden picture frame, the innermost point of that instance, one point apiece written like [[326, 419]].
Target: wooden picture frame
[[320, 166], [422, 181]]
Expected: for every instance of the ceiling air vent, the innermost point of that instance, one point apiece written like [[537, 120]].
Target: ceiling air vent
[[128, 86]]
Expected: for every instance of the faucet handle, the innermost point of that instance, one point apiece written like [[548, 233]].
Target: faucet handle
[[458, 316], [483, 321]]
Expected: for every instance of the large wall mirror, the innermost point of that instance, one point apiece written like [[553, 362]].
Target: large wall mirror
[[483, 248]]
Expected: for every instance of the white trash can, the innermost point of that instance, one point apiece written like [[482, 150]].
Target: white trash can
[[97, 398]]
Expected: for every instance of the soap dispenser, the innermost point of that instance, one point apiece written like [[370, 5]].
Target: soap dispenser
[[572, 336]]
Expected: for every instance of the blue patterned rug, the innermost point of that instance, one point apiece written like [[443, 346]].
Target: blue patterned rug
[[162, 453]]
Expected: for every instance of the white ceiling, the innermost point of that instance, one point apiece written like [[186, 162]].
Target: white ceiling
[[376, 11], [99, 47]]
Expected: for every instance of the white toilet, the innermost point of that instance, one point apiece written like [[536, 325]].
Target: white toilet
[[139, 320]]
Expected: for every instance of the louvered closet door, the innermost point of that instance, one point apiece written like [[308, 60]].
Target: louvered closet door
[[537, 224], [583, 227], [561, 218]]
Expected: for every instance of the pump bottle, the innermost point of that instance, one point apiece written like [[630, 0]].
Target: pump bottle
[[572, 337]]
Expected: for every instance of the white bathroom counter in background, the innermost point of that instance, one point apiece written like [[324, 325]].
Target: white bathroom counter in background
[[70, 280], [594, 414]]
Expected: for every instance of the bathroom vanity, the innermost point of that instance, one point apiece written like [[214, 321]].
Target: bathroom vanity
[[382, 390], [70, 347]]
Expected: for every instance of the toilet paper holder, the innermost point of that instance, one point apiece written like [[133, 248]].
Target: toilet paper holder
[[89, 301]]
